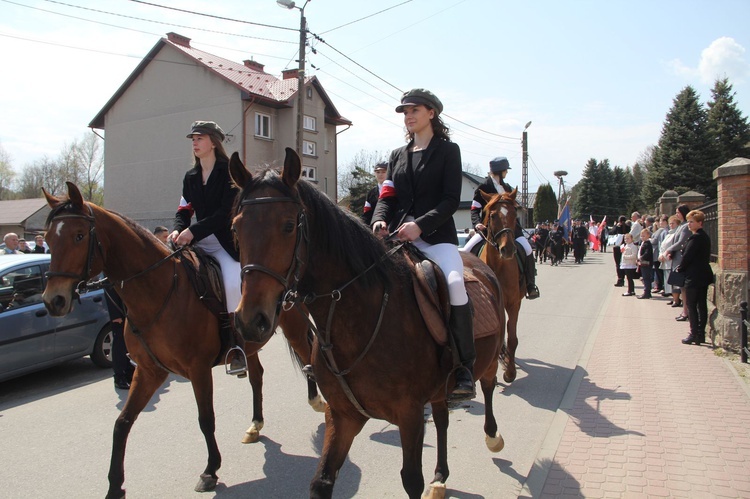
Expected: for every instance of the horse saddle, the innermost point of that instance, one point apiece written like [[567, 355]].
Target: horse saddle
[[431, 290], [204, 273]]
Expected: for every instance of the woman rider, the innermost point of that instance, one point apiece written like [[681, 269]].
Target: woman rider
[[419, 197]]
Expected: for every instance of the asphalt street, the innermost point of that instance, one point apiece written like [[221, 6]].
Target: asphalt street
[[56, 425]]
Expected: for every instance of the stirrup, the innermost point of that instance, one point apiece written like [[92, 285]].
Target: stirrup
[[533, 294], [239, 370], [462, 396]]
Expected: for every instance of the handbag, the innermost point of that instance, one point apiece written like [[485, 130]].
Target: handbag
[[676, 279]]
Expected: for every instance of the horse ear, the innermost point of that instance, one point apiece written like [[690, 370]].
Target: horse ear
[[292, 168], [52, 201], [486, 195], [514, 193], [74, 195], [240, 175]]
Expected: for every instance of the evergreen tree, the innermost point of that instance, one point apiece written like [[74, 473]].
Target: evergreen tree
[[362, 182], [545, 204], [727, 128], [684, 156], [593, 192], [621, 194]]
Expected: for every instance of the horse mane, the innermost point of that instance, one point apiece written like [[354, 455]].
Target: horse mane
[[338, 234]]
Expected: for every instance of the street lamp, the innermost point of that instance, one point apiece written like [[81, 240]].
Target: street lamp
[[288, 4], [525, 175], [561, 187]]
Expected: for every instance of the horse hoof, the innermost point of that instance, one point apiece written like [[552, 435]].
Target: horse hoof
[[120, 494], [495, 444], [252, 434], [436, 490], [509, 378], [318, 404], [207, 483]]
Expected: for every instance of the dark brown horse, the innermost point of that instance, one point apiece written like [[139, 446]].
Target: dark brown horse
[[168, 328], [373, 356], [500, 253]]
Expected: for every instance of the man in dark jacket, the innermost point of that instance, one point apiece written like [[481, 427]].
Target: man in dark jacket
[[579, 237], [372, 197]]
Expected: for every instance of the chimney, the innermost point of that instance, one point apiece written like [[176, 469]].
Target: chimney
[[255, 66], [179, 39], [290, 74]]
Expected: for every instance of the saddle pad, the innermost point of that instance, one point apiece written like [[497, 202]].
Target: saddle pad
[[204, 273], [486, 318]]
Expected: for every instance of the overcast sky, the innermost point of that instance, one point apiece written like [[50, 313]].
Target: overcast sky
[[595, 78]]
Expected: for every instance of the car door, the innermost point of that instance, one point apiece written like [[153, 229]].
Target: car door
[[26, 328]]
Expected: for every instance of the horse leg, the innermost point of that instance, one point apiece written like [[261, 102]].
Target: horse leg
[[411, 429], [339, 435], [203, 389], [255, 376], [145, 382], [296, 329], [436, 488], [492, 438], [512, 343]]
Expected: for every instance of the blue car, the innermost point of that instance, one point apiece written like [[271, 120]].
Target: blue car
[[30, 338]]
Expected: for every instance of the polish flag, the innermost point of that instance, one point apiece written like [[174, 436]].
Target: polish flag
[[368, 206]]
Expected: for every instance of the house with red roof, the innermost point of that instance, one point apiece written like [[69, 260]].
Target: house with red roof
[[145, 122]]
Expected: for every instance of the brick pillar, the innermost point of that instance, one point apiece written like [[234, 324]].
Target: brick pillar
[[733, 180]]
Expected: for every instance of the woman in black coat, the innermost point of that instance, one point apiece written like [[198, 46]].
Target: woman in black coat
[[696, 267], [208, 194], [421, 193]]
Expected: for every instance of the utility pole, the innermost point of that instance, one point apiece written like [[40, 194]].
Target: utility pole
[[289, 4], [525, 176], [301, 80]]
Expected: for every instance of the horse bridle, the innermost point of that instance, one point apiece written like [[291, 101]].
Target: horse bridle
[[93, 244], [291, 280], [496, 235]]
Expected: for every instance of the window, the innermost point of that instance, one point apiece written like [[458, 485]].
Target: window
[[309, 93], [310, 123], [21, 288], [262, 125], [309, 148], [310, 173]]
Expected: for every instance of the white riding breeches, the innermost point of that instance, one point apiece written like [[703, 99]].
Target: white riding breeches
[[478, 237], [525, 243], [447, 257]]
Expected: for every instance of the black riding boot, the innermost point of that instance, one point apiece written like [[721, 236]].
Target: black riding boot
[[462, 329], [532, 291]]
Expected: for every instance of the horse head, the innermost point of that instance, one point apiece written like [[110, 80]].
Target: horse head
[[269, 228], [73, 242], [500, 220]]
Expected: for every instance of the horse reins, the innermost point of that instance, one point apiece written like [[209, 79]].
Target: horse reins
[[84, 285], [498, 234], [291, 297]]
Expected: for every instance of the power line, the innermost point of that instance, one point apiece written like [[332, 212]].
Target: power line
[[192, 12], [136, 19], [366, 17]]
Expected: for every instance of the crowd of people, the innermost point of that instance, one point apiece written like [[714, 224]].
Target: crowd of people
[[670, 255]]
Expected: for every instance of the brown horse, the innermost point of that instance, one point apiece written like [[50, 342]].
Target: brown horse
[[500, 254], [168, 328], [373, 356]]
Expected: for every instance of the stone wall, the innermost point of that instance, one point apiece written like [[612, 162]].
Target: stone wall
[[731, 288]]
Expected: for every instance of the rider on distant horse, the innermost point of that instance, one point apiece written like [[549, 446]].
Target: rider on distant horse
[[495, 184]]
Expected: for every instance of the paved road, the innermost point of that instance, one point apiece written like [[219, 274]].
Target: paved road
[[56, 426]]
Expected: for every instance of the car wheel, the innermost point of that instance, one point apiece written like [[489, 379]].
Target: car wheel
[[102, 354]]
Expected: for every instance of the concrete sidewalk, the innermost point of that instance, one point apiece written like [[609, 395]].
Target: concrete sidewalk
[[645, 415]]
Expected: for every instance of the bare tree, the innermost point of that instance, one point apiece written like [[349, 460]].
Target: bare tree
[[42, 173], [7, 175], [362, 161], [90, 166]]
